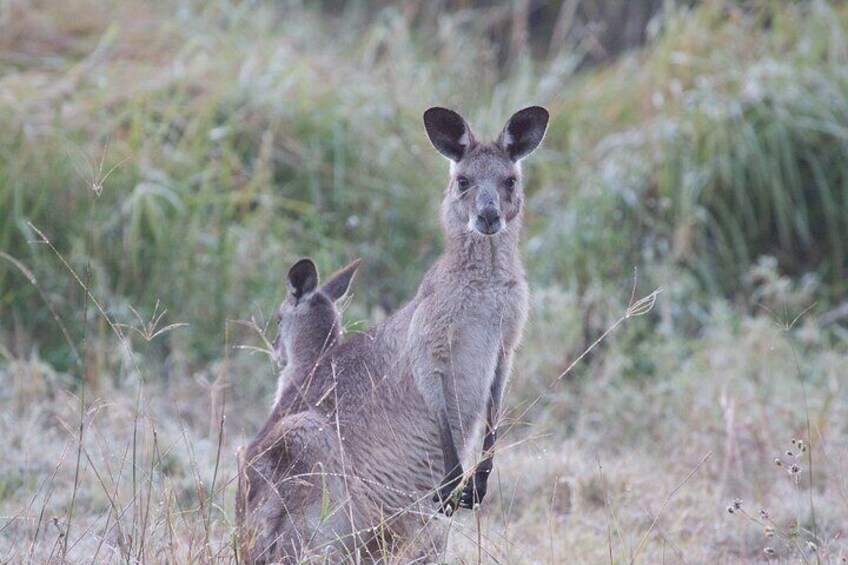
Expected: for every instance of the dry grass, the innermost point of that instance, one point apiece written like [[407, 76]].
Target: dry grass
[[606, 467]]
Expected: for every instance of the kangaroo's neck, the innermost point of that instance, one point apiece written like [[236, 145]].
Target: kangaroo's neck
[[306, 349], [487, 256]]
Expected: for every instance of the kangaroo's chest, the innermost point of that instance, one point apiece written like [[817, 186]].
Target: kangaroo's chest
[[469, 326], [497, 309]]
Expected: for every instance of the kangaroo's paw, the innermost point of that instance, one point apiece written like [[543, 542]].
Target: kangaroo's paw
[[448, 495], [474, 490]]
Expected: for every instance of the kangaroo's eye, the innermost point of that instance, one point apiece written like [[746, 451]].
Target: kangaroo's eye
[[463, 183], [509, 183]]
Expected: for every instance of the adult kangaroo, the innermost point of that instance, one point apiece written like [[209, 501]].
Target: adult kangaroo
[[391, 413], [472, 304]]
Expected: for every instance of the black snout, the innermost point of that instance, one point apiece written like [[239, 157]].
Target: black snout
[[489, 220]]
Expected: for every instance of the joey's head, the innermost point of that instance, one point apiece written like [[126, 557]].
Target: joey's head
[[485, 194], [308, 320]]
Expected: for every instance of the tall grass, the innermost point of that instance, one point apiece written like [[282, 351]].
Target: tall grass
[[251, 142], [719, 145]]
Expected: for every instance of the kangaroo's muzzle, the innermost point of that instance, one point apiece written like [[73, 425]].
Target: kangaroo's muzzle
[[488, 220]]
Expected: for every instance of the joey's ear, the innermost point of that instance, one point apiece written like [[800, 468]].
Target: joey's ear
[[524, 132], [338, 284], [448, 132], [303, 278]]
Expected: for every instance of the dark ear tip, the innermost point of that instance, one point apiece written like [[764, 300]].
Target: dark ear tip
[[437, 114], [339, 282], [305, 263], [431, 113], [353, 266], [448, 132], [303, 276], [538, 112]]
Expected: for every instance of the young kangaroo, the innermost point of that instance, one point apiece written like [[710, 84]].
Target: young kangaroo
[[308, 321], [308, 326], [403, 401]]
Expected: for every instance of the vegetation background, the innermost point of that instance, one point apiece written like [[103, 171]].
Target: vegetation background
[[163, 163]]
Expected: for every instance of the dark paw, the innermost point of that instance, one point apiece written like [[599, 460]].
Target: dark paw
[[474, 490], [448, 496], [448, 507]]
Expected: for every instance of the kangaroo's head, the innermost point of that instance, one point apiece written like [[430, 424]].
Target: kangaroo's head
[[308, 320], [485, 192]]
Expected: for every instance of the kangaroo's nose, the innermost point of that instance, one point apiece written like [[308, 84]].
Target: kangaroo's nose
[[489, 220]]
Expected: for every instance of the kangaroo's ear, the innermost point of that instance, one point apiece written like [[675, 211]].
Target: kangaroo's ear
[[339, 283], [303, 278], [448, 132], [524, 132]]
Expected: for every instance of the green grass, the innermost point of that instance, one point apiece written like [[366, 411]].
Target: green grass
[[719, 145], [180, 156]]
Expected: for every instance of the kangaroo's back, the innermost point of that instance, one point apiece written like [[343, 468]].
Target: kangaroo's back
[[278, 469], [346, 448]]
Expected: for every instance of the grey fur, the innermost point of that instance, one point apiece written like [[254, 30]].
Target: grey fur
[[354, 449], [308, 321]]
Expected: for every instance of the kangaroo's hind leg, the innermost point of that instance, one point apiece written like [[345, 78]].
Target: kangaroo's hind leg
[[294, 502]]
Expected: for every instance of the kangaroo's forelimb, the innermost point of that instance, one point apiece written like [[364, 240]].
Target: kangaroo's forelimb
[[446, 494], [475, 489]]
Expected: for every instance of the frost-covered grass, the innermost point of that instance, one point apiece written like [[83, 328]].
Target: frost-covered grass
[[637, 455]]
